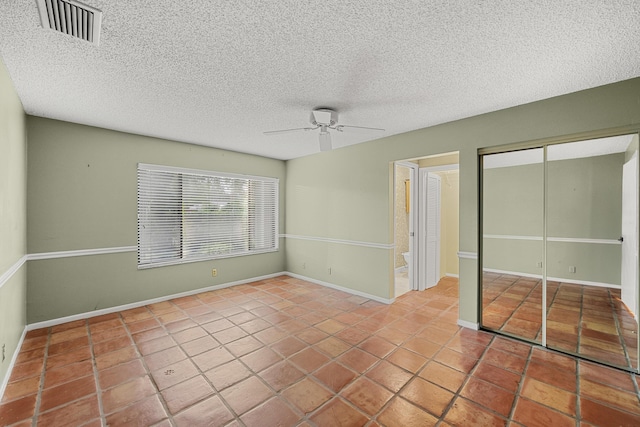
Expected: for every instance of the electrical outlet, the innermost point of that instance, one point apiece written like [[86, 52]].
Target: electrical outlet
[[3, 351], [304, 265], [539, 264], [572, 269], [329, 270], [214, 272]]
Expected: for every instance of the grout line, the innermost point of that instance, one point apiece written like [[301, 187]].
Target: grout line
[[518, 391], [190, 358], [416, 374], [634, 381], [468, 376], [616, 319], [580, 322], [36, 410], [578, 408], [144, 364], [96, 378], [500, 329], [216, 392], [554, 299], [256, 374], [253, 373]]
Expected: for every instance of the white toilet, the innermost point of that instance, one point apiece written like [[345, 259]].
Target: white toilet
[[407, 257]]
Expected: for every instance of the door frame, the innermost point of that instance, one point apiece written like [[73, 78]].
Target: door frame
[[413, 220], [629, 276]]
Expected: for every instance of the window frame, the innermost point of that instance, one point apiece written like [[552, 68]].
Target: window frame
[[145, 201]]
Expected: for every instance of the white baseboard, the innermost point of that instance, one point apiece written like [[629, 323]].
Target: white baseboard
[[584, 282], [456, 276], [468, 325], [5, 380], [554, 279], [513, 273], [115, 309], [343, 289]]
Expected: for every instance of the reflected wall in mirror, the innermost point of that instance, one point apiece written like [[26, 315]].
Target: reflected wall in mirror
[[512, 251]]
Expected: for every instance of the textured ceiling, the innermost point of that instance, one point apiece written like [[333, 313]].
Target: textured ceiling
[[219, 73]]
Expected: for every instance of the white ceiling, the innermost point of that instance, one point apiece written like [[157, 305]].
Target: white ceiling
[[219, 73]]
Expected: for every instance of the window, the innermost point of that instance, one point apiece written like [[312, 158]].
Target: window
[[187, 215]]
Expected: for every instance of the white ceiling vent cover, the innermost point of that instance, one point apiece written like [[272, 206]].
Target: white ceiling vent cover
[[71, 18]]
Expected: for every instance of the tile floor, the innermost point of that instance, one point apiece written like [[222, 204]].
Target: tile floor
[[284, 352], [586, 320]]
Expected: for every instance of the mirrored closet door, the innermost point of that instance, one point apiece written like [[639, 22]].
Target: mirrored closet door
[[512, 250], [560, 230]]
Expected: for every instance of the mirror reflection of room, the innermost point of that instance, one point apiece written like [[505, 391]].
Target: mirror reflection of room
[[577, 232], [513, 202]]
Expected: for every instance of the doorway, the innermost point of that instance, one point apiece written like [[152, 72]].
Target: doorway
[[554, 264], [427, 201]]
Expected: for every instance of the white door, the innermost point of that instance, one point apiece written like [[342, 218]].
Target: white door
[[430, 224], [629, 276]]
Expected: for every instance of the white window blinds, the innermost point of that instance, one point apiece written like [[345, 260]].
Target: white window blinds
[[187, 215]]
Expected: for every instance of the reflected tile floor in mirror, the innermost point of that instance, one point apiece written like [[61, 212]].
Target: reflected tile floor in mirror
[[288, 352], [586, 320]]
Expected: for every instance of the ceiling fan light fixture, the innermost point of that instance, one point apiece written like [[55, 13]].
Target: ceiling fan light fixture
[[324, 119], [325, 141], [324, 116]]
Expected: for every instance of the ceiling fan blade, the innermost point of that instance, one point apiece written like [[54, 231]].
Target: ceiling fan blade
[[279, 132], [325, 141], [346, 128]]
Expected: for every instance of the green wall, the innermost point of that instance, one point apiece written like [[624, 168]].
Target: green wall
[[585, 201], [82, 195], [347, 193], [335, 195], [585, 197], [13, 204], [338, 211], [513, 200]]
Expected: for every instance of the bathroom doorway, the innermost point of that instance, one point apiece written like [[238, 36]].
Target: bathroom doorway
[[426, 221]]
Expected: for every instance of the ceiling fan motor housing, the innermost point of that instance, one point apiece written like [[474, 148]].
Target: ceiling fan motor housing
[[324, 116]]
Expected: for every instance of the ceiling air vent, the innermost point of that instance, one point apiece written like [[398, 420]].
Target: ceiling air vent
[[71, 18]]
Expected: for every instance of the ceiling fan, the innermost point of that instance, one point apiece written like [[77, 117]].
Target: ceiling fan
[[324, 119]]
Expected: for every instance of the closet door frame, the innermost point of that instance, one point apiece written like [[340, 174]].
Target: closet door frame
[[544, 144]]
